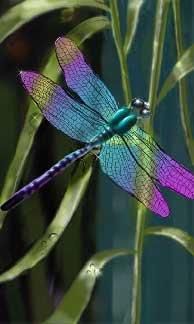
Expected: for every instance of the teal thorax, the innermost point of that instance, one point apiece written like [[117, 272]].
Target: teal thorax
[[122, 121], [119, 124]]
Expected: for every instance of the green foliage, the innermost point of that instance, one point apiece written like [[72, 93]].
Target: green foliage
[[68, 206], [183, 66], [120, 50], [88, 28], [157, 52], [78, 296], [176, 234], [27, 10], [133, 11]]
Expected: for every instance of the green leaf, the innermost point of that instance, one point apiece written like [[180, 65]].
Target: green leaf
[[133, 10], [116, 31], [157, 52], [88, 27], [183, 238], [183, 66], [27, 10], [68, 206], [33, 119], [76, 299]]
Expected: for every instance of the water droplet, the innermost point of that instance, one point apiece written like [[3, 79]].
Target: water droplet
[[35, 119], [44, 244], [43, 247], [52, 236]]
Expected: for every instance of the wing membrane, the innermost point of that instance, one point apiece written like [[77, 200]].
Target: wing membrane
[[74, 119], [158, 164], [80, 78], [119, 164]]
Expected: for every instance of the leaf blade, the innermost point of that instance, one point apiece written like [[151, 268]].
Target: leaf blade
[[157, 52], [69, 204], [176, 234], [78, 296], [133, 11], [183, 66], [88, 27], [27, 10]]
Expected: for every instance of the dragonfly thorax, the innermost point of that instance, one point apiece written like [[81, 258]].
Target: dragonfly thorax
[[122, 121]]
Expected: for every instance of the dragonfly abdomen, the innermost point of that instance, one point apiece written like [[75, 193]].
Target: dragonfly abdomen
[[39, 182], [105, 135]]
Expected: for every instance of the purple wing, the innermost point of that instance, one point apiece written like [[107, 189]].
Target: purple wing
[[119, 164], [81, 79], [158, 164], [74, 119]]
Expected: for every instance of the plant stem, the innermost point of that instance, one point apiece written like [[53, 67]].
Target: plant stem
[[136, 289], [120, 50], [158, 42]]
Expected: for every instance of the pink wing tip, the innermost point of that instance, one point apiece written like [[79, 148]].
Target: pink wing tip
[[159, 206], [63, 41], [28, 79], [165, 211]]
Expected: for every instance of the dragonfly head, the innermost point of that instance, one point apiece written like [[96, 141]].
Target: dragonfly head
[[140, 107]]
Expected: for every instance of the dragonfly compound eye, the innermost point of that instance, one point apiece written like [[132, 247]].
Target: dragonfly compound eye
[[137, 103], [145, 113]]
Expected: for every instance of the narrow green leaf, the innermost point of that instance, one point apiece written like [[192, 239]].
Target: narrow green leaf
[[133, 10], [69, 204], [33, 119], [183, 238], [27, 10], [157, 52], [183, 66], [88, 27], [76, 299], [116, 30]]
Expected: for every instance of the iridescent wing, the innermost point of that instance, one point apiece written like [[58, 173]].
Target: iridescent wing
[[81, 79], [74, 119], [158, 164], [119, 164]]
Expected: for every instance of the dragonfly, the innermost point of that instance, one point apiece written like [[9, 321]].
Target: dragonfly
[[86, 111]]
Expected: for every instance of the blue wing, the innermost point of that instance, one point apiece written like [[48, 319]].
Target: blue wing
[[81, 79], [74, 119]]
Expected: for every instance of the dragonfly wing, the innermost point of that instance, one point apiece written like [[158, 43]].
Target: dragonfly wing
[[119, 164], [81, 79], [69, 116], [158, 164]]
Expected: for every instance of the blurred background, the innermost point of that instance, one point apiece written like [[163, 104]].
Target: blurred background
[[106, 217]]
